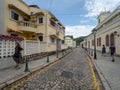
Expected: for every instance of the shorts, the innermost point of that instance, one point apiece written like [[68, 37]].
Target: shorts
[[112, 53]]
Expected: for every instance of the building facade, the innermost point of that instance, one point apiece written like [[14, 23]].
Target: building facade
[[74, 43], [69, 41], [41, 30], [107, 32]]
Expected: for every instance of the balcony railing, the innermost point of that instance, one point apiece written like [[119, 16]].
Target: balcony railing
[[27, 26]]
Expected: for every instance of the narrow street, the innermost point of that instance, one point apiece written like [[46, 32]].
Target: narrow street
[[70, 73]]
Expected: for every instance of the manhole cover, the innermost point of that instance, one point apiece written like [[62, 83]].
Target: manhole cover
[[67, 74]]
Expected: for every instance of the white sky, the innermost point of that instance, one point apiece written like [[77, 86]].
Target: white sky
[[94, 7]]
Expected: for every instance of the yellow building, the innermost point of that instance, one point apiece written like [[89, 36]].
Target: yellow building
[[41, 30], [108, 32]]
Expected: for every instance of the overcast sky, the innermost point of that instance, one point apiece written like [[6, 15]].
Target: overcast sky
[[78, 16]]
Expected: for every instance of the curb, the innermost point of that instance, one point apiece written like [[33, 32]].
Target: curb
[[104, 82], [25, 74]]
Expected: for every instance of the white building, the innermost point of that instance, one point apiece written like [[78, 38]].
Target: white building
[[107, 32], [69, 41]]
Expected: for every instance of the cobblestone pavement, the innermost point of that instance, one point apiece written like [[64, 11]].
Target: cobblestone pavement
[[70, 73]]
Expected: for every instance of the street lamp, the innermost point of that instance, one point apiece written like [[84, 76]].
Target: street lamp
[[116, 33], [57, 33], [94, 33]]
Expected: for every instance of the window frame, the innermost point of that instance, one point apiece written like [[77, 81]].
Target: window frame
[[41, 38], [13, 17], [107, 40], [52, 40], [39, 19]]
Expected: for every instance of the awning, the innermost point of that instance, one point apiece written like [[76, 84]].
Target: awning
[[7, 37], [16, 31], [38, 33], [39, 13], [53, 36]]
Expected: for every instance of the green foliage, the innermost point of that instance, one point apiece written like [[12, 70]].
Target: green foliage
[[78, 40], [69, 47]]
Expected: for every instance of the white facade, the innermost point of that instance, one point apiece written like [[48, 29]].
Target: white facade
[[74, 43], [108, 31], [70, 42]]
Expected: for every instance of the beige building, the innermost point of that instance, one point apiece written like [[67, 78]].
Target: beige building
[[41, 30], [108, 32]]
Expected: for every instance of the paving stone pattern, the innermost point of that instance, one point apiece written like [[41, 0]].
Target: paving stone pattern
[[71, 73]]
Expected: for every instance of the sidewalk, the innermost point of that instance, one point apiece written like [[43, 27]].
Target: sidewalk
[[108, 71], [9, 75]]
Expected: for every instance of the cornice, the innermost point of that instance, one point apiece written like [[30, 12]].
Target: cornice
[[115, 12]]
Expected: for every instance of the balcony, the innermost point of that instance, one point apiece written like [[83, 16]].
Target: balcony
[[27, 26], [33, 18]]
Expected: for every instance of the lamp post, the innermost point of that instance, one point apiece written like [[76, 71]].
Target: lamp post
[[57, 33], [94, 33], [116, 33], [57, 54]]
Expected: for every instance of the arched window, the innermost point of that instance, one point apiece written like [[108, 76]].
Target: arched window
[[93, 42], [107, 40], [112, 39], [99, 41]]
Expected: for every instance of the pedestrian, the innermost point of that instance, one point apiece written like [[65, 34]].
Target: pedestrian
[[112, 52], [103, 50], [17, 55]]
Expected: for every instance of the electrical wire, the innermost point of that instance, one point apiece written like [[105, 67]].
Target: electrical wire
[[62, 14], [50, 4]]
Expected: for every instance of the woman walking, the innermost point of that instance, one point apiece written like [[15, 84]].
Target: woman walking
[[103, 50], [17, 55]]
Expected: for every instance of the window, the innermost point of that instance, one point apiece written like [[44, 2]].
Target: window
[[112, 39], [99, 20], [107, 40], [52, 22], [52, 40], [63, 41], [31, 13], [99, 41], [14, 15], [41, 38], [40, 20], [93, 42]]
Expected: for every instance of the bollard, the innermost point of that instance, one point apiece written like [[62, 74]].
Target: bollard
[[62, 53], [26, 65], [91, 53], [57, 54], [47, 57]]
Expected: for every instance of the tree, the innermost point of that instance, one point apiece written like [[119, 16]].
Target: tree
[[78, 40]]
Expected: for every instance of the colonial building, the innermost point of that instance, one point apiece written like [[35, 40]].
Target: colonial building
[[74, 43], [41, 30], [69, 41], [107, 32]]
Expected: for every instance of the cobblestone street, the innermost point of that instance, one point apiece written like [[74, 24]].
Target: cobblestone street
[[70, 73]]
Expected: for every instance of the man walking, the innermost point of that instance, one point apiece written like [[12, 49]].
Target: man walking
[[112, 51]]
